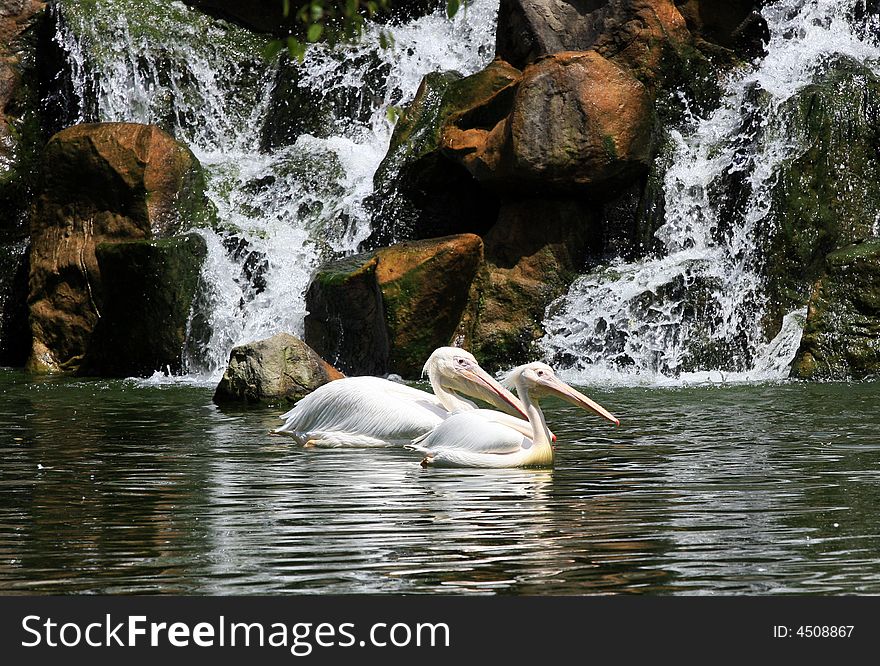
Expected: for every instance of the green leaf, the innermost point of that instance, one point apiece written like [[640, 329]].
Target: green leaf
[[314, 32], [286, 6], [452, 7], [296, 48], [272, 49]]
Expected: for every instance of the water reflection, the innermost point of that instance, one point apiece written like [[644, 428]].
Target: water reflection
[[112, 487]]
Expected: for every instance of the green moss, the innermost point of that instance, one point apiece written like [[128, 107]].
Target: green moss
[[827, 196], [842, 333]]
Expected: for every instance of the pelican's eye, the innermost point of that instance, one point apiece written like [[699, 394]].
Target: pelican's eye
[[462, 362]]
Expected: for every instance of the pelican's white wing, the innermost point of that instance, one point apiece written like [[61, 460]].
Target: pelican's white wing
[[363, 411], [476, 432]]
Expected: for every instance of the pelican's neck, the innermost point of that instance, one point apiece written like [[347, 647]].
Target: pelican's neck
[[451, 401], [540, 431]]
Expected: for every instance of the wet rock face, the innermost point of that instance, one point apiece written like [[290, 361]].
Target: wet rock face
[[345, 322], [531, 255], [633, 31], [20, 130], [103, 183], [148, 289], [422, 188], [842, 333], [386, 311], [732, 24], [424, 287], [279, 369], [826, 197]]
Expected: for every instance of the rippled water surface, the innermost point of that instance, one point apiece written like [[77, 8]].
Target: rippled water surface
[[111, 487]]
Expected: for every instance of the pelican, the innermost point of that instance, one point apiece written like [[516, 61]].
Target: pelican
[[464, 440], [370, 411]]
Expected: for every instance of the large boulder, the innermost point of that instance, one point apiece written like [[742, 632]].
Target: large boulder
[[527, 266], [842, 333], [386, 311], [148, 287], [103, 183], [635, 32], [279, 369], [578, 121], [648, 38]]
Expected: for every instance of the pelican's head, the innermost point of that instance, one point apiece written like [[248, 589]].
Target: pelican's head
[[457, 370], [540, 380]]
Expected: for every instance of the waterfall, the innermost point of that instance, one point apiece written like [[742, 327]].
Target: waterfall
[[282, 209], [693, 310]]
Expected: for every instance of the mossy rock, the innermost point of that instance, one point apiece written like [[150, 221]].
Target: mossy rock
[[421, 190], [386, 311], [842, 333], [828, 196], [345, 321], [277, 370], [425, 287], [148, 291]]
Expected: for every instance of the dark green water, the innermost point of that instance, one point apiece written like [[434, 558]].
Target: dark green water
[[109, 487]]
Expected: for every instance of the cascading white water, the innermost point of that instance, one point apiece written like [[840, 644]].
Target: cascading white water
[[281, 210], [693, 311]]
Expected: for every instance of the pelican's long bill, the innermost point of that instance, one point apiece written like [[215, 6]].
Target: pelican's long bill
[[562, 390], [486, 388]]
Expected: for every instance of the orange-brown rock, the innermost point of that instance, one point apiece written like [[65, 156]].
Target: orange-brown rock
[[578, 120], [103, 183], [420, 190], [532, 254], [408, 297], [425, 288]]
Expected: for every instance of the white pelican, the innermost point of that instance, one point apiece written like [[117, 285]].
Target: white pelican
[[370, 411], [464, 440]]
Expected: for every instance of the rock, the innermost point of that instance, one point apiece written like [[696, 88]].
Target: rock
[[15, 338], [828, 196], [842, 333], [345, 321], [148, 288], [634, 33], [280, 368], [527, 266], [103, 183], [20, 124], [387, 310], [648, 38], [420, 191], [578, 121], [733, 24], [425, 287], [531, 29]]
